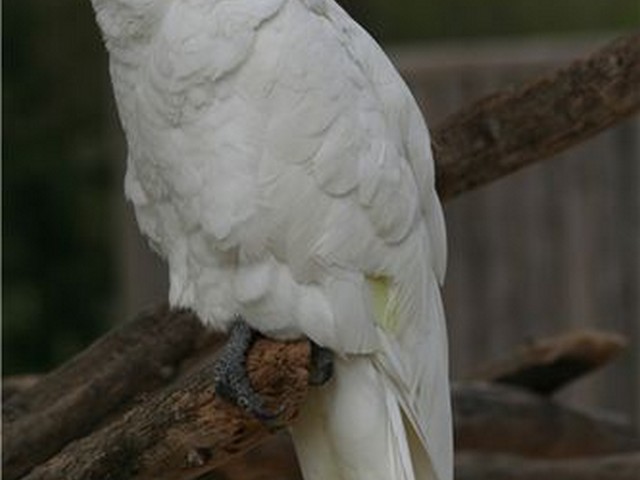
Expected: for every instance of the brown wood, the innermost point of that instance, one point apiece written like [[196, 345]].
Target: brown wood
[[68, 403], [482, 467], [186, 430], [512, 129], [496, 418], [273, 459], [546, 365]]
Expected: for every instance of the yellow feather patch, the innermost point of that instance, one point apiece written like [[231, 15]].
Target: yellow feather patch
[[383, 305]]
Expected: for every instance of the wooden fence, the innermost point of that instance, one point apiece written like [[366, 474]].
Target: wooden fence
[[553, 248]]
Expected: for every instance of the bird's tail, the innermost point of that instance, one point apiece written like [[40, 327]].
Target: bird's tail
[[354, 429]]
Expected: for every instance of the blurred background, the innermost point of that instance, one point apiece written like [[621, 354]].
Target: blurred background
[[552, 248]]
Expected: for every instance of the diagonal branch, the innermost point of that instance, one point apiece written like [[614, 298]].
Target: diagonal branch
[[140, 356], [545, 366], [477, 145], [512, 129], [187, 430]]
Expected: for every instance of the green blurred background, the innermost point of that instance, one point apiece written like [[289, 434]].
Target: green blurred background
[[62, 168]]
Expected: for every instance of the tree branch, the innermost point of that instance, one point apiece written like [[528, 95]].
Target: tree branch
[[512, 129], [187, 430], [67, 404], [481, 143], [545, 366]]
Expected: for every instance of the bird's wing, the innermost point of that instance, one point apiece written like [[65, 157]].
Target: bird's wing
[[415, 354], [347, 121]]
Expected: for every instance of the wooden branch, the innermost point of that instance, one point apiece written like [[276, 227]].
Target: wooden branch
[[496, 418], [68, 403], [544, 366], [512, 129], [184, 431], [477, 145], [187, 430], [482, 467]]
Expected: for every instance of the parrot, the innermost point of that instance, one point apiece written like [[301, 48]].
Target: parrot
[[281, 166]]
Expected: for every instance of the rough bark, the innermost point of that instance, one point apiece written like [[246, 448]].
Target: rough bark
[[187, 430], [512, 129], [69, 402], [273, 459], [481, 467], [545, 366], [184, 431]]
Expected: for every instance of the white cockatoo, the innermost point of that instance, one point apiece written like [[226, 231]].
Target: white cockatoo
[[281, 166]]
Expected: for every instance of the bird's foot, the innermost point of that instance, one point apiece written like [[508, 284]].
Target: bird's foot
[[230, 374], [321, 368], [232, 381]]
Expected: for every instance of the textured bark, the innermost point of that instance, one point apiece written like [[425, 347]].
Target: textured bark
[[481, 467], [545, 366], [479, 144], [184, 430], [273, 459], [187, 430], [69, 402], [512, 129]]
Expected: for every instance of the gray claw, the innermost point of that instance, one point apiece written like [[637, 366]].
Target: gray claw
[[230, 374]]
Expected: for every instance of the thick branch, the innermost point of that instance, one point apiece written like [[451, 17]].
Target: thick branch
[[512, 129], [187, 430], [67, 404]]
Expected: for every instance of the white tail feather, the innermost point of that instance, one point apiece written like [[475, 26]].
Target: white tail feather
[[354, 429]]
